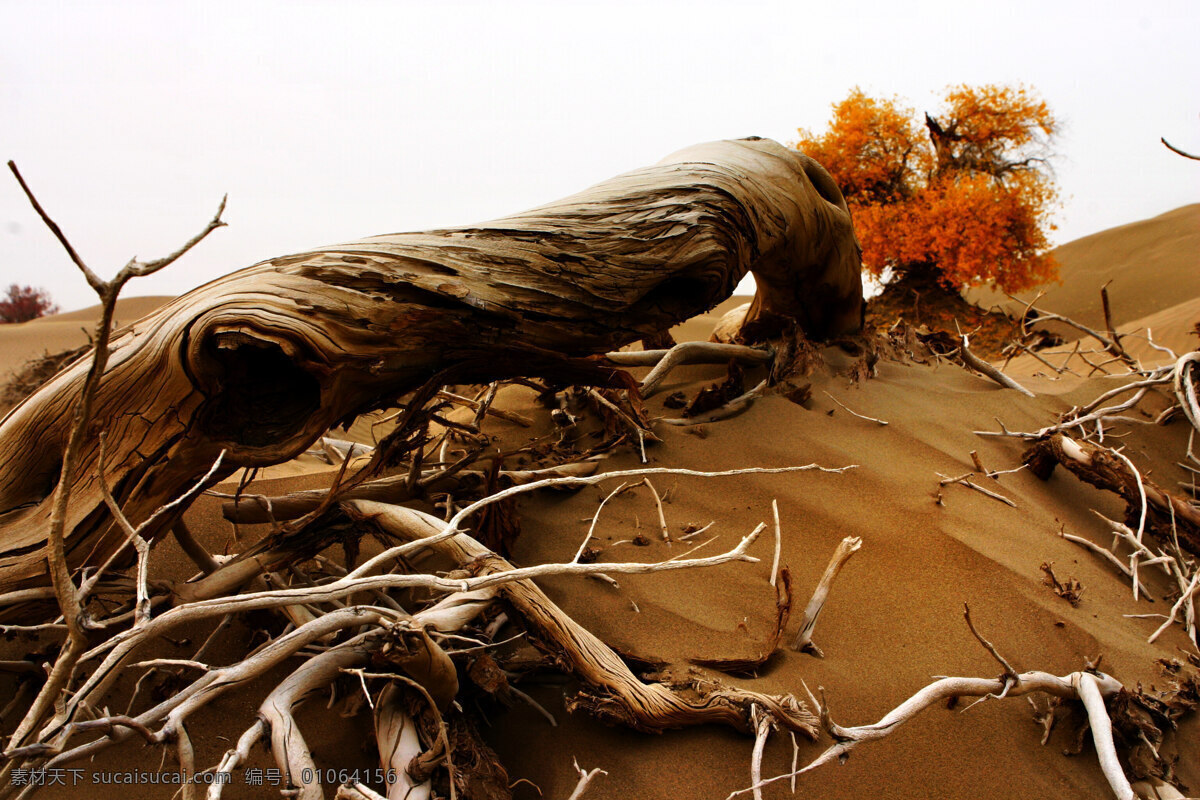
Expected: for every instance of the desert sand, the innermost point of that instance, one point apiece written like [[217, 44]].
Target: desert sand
[[895, 615]]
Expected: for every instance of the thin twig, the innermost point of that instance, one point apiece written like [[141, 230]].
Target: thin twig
[[658, 506], [962, 481], [1177, 151], [778, 541], [855, 413], [585, 778], [595, 519], [1107, 555]]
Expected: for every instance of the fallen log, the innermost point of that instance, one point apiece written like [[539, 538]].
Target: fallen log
[[260, 363]]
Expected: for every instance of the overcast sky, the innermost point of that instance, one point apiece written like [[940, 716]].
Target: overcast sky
[[327, 122]]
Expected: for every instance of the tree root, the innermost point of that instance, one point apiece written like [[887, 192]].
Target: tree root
[[664, 361], [612, 691], [253, 509], [1105, 469], [1090, 686], [291, 752], [399, 744]]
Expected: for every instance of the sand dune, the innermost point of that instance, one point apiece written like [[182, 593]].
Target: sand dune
[[896, 616], [1151, 265], [128, 310]]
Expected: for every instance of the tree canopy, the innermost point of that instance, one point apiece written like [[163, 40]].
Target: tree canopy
[[965, 199]]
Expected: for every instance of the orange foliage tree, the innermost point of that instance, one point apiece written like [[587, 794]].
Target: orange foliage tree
[[964, 200]]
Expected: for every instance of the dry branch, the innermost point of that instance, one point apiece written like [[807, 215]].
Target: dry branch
[[251, 509], [67, 469], [1105, 469], [360, 791], [1089, 686], [762, 731], [1072, 686], [962, 480], [1108, 556], [1184, 603], [778, 541], [1177, 151], [978, 364], [733, 407], [484, 408], [596, 518], [335, 451], [288, 745], [846, 548], [687, 353], [1184, 381], [1109, 344], [853, 413], [1077, 418], [658, 507], [585, 780]]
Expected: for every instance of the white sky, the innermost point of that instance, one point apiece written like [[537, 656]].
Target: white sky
[[330, 121]]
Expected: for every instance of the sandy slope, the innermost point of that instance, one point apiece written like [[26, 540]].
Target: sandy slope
[[1150, 265], [1143, 339], [895, 617], [1152, 269], [58, 332]]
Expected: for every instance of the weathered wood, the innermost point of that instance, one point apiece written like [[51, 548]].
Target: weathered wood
[[254, 509], [262, 362], [1169, 515], [611, 691]]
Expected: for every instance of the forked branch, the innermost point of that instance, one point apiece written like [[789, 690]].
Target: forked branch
[[66, 593]]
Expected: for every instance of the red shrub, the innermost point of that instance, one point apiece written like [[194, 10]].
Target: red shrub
[[23, 303]]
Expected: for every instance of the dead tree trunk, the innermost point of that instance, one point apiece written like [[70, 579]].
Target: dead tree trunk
[[263, 361]]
